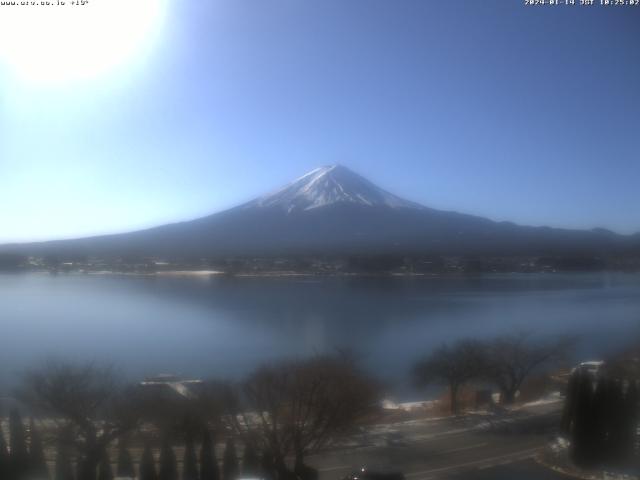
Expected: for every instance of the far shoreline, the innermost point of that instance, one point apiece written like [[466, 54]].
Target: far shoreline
[[317, 275]]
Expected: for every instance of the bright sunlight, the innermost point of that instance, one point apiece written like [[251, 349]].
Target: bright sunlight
[[62, 41]]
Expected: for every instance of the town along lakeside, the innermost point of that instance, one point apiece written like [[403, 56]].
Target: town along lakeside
[[323, 265]]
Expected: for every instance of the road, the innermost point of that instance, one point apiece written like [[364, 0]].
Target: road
[[474, 447], [523, 470]]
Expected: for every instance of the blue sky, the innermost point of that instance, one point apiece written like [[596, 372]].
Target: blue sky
[[528, 114]]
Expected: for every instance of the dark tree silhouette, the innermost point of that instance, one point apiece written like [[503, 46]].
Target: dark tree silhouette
[[88, 399], [4, 456], [37, 462], [250, 461], [267, 465], [168, 464], [600, 418], [148, 464], [230, 468], [79, 468], [190, 462], [125, 466], [511, 359], [632, 406], [453, 366], [63, 468], [104, 468], [570, 404], [617, 420], [19, 455], [582, 423], [208, 463], [87, 467]]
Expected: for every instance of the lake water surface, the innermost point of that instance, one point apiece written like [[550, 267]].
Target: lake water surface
[[224, 327]]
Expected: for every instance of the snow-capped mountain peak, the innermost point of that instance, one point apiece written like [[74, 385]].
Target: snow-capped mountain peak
[[328, 185]]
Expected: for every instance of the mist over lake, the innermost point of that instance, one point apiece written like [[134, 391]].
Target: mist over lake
[[224, 327]]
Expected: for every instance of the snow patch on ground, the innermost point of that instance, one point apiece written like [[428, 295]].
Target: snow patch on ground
[[553, 397], [408, 406]]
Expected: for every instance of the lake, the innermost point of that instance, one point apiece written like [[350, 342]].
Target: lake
[[224, 327]]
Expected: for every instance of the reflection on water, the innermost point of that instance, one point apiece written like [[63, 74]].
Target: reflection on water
[[225, 326]]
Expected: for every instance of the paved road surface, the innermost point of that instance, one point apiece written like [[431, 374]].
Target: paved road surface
[[525, 470], [449, 448]]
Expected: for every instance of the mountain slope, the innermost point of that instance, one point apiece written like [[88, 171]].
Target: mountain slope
[[333, 210], [329, 185]]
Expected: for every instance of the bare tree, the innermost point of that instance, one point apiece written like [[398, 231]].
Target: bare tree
[[177, 414], [453, 366], [89, 404], [299, 407], [511, 359]]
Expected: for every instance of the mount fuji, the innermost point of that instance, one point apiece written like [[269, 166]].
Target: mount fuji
[[330, 185], [333, 210]]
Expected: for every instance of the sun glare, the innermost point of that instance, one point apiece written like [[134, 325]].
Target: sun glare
[[65, 41]]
